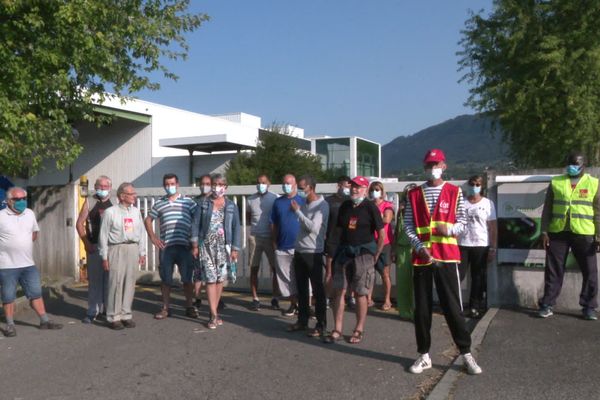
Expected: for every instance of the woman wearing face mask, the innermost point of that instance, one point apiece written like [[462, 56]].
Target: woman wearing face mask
[[386, 209], [477, 243], [205, 192], [216, 242]]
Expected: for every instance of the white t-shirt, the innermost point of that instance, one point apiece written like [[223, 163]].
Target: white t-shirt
[[478, 215], [16, 244]]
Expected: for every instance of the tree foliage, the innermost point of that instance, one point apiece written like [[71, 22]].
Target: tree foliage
[[535, 68], [276, 155], [59, 56]]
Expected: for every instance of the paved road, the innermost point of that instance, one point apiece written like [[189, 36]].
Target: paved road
[[524, 357], [249, 357]]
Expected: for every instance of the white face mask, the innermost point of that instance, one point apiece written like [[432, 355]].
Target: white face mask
[[436, 173], [219, 191], [206, 189], [376, 194]]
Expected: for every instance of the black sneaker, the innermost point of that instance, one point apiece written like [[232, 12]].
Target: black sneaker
[[290, 311], [88, 319], [275, 304], [255, 306], [10, 331], [116, 325], [50, 325]]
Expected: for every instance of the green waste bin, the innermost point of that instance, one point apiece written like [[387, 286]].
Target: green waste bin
[[404, 272]]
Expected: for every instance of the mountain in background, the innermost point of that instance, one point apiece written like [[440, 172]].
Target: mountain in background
[[469, 142]]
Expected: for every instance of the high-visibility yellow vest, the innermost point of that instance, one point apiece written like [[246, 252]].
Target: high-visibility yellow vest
[[578, 203]]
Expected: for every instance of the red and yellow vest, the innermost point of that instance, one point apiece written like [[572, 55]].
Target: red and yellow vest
[[441, 248]]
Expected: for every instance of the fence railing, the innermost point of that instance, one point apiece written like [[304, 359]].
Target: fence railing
[[147, 197]]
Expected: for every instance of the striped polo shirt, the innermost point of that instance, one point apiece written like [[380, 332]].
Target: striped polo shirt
[[175, 219]]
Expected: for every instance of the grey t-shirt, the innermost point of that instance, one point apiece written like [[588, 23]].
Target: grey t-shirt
[[313, 218], [260, 207]]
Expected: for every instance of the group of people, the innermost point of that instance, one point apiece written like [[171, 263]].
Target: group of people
[[317, 247]]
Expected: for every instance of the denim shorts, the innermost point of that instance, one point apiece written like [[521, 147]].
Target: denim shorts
[[28, 278], [180, 255]]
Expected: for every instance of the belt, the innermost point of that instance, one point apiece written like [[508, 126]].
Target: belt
[[128, 242]]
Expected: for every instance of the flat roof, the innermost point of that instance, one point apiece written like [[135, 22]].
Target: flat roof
[[205, 143]]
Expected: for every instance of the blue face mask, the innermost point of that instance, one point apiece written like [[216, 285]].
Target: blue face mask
[[20, 205], [573, 170], [473, 190], [262, 188], [102, 194], [171, 190], [287, 188], [302, 194]]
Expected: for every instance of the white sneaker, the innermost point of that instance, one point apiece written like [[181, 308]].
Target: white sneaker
[[422, 363], [471, 365]]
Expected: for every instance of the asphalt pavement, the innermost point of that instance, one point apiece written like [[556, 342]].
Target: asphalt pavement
[[250, 357]]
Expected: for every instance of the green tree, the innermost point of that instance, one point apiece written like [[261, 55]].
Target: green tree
[[535, 68], [276, 155], [59, 56]]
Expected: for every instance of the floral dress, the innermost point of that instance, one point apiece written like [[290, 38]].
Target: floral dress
[[213, 253]]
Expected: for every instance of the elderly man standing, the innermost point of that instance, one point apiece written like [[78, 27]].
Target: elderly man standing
[[176, 214], [571, 220], [122, 246], [88, 228], [435, 216], [18, 231], [285, 226]]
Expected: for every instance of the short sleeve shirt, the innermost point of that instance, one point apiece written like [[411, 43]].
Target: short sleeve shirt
[[175, 219], [260, 207], [16, 244], [476, 233], [286, 220], [359, 224]]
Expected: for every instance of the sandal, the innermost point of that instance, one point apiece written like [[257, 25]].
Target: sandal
[[296, 327], [333, 337], [162, 314], [386, 307], [191, 312], [317, 331], [212, 324], [356, 338], [219, 321]]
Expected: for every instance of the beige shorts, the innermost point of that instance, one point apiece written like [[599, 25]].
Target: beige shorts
[[357, 272]]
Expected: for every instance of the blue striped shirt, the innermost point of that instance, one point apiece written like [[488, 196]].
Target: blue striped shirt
[[175, 219]]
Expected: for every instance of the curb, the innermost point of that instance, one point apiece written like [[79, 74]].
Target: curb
[[442, 389], [50, 289]]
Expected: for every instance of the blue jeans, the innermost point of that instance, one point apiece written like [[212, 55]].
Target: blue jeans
[[176, 254], [27, 277]]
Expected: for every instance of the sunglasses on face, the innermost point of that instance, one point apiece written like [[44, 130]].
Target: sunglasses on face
[[18, 198]]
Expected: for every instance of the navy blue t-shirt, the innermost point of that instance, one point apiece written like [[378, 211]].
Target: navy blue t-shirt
[[286, 221]]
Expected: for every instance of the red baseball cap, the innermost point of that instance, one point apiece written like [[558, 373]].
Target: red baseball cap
[[360, 181], [434, 155]]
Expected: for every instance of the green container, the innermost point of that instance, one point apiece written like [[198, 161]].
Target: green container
[[404, 273]]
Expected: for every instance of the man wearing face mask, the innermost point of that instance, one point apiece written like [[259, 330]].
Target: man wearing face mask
[[571, 220], [434, 217], [18, 231], [285, 226], [260, 241], [175, 213], [88, 229], [205, 192], [355, 257], [334, 233]]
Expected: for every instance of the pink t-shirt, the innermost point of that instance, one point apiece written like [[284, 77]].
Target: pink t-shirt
[[389, 234]]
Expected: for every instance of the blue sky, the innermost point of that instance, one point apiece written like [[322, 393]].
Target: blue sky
[[377, 69]]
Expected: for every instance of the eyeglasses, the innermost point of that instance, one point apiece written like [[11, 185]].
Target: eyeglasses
[[18, 198]]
